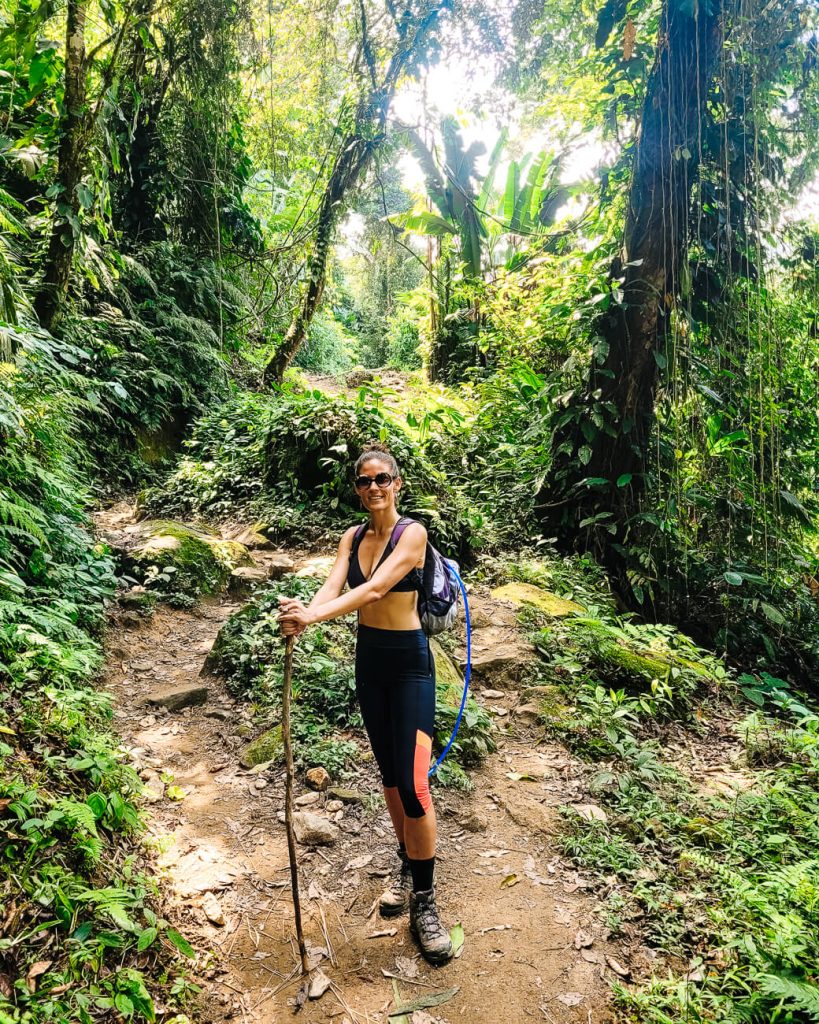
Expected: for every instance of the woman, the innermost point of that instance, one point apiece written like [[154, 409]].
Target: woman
[[395, 681]]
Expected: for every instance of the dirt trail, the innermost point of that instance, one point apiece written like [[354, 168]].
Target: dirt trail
[[222, 847]]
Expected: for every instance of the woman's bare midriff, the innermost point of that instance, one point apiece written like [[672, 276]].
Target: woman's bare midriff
[[396, 610]]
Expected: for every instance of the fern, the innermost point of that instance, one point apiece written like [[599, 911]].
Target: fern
[[796, 994]]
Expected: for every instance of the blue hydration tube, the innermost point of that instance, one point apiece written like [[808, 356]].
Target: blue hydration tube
[[468, 673]]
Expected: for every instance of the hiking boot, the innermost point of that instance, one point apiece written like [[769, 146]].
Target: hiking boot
[[395, 898], [425, 925]]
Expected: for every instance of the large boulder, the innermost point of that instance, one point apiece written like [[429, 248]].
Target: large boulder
[[196, 561]]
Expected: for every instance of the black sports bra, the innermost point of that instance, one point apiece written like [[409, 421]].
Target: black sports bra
[[355, 577]]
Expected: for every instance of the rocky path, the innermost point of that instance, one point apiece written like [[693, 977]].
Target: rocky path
[[535, 948]]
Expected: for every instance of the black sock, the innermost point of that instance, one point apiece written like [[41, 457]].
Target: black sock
[[423, 872], [402, 849]]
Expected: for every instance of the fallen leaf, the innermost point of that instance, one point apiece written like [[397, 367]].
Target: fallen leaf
[[563, 915], [570, 998], [319, 983], [359, 862], [433, 999], [175, 793], [494, 853], [407, 966], [583, 940], [590, 956], [383, 934], [510, 880], [495, 928], [617, 967], [34, 973], [456, 937], [530, 872], [520, 777]]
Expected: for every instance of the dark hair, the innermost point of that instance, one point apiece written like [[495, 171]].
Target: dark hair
[[377, 450]]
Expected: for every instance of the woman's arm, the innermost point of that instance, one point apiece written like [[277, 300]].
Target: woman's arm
[[405, 556]]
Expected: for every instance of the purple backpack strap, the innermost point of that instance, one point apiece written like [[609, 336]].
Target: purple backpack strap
[[398, 529]]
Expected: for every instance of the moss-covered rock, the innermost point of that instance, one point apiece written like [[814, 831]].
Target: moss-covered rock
[[630, 654], [197, 562], [474, 740], [528, 594], [267, 747]]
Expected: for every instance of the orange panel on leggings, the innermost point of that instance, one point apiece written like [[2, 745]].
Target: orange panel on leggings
[[423, 749]]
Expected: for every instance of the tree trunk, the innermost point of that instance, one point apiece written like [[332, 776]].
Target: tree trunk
[[69, 170], [629, 339], [351, 164]]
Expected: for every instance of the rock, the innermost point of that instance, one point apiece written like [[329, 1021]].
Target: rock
[[253, 537], [267, 747], [136, 598], [313, 830], [474, 730], [260, 784], [493, 694], [213, 909], [220, 713], [318, 778], [348, 796], [200, 562], [246, 578], [279, 565], [529, 714], [154, 788], [319, 983], [307, 799], [179, 697], [132, 620], [525, 593], [590, 812], [499, 656], [243, 730], [473, 822], [333, 805]]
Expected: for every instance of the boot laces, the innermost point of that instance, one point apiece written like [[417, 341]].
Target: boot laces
[[428, 918]]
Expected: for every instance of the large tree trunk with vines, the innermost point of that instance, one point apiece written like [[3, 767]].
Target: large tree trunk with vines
[[69, 170], [606, 437], [351, 164]]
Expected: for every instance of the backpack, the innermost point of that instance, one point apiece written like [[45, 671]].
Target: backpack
[[439, 592]]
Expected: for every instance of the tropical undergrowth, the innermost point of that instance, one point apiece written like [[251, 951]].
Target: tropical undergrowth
[[285, 458], [715, 871], [326, 721], [81, 931]]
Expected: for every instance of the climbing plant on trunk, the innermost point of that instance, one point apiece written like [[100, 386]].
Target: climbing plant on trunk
[[601, 438], [78, 118], [365, 135]]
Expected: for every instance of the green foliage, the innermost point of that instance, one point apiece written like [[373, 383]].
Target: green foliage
[[249, 654], [287, 459], [328, 348], [67, 793]]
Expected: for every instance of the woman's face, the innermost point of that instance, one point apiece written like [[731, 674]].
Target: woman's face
[[375, 497]]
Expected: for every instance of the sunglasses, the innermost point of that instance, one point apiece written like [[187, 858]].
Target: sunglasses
[[380, 480]]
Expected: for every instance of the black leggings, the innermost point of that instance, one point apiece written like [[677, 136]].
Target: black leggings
[[395, 683]]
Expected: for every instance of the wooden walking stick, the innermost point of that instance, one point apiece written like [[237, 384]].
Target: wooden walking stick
[[288, 798]]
